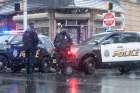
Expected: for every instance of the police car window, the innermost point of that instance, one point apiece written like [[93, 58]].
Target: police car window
[[114, 38], [4, 37], [96, 38], [129, 37], [17, 38], [46, 41], [40, 41]]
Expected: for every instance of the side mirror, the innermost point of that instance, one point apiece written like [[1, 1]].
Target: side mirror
[[106, 42], [6, 42]]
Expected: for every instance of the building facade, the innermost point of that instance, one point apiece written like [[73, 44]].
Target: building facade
[[83, 18], [132, 14]]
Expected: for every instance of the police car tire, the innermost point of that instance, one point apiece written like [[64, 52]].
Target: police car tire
[[124, 69], [4, 60], [89, 65], [15, 69]]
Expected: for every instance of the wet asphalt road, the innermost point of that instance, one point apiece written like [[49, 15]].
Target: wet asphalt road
[[104, 81]]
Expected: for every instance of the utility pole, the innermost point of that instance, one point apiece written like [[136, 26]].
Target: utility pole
[[25, 20], [110, 9]]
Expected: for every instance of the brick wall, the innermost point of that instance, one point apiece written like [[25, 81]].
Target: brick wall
[[132, 15]]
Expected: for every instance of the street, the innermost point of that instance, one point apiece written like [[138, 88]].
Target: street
[[104, 81], [56, 46]]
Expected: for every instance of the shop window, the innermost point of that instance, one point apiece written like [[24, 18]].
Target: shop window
[[98, 23], [61, 21], [100, 30], [82, 22], [71, 22]]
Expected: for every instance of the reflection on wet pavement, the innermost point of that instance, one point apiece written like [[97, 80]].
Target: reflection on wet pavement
[[52, 83]]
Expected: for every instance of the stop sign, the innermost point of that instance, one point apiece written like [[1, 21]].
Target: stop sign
[[108, 19]]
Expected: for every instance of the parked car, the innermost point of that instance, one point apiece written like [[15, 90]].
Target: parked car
[[9, 56], [90, 54]]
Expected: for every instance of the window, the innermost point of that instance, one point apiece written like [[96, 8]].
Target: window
[[3, 38], [129, 37], [17, 39], [95, 38], [46, 42], [114, 38]]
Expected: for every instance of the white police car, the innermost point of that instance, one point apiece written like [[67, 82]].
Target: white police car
[[120, 49]]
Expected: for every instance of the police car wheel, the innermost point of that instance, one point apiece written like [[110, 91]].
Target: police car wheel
[[44, 65], [89, 65], [124, 69], [3, 61], [15, 69]]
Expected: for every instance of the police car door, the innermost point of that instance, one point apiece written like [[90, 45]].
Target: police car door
[[126, 48]]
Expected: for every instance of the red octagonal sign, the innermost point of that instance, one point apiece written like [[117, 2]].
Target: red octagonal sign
[[108, 20]]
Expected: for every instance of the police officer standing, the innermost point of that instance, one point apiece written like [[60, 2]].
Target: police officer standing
[[30, 42], [62, 40], [62, 43]]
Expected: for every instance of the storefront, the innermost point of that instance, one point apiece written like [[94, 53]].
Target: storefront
[[40, 20], [78, 29], [83, 18]]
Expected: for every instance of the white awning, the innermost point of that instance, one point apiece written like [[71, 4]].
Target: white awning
[[31, 16]]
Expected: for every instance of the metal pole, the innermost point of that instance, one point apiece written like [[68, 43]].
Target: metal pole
[[25, 20]]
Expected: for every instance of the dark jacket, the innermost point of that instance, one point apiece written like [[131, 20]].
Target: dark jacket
[[30, 40], [62, 40]]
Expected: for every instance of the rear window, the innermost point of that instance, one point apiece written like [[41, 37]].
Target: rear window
[[130, 37], [46, 41], [17, 39]]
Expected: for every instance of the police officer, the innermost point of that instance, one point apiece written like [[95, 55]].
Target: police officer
[[62, 43], [62, 39], [30, 42]]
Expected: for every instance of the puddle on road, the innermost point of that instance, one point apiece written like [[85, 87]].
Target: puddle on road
[[57, 85], [50, 83]]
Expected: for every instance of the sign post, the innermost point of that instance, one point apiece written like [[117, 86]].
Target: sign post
[[25, 15]]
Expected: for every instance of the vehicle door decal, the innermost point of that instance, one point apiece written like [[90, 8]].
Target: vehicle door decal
[[115, 53]]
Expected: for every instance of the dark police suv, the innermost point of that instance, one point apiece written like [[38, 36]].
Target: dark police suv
[[12, 55]]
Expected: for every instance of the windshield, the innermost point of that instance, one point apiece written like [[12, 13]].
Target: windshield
[[96, 38], [3, 38], [46, 42], [16, 39]]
